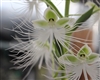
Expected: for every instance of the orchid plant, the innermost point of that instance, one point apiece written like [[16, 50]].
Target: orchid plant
[[50, 38]]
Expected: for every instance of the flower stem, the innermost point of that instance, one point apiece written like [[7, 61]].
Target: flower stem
[[50, 4], [56, 74], [67, 6], [62, 74]]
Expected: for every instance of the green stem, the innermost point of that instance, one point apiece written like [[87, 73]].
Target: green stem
[[56, 74], [53, 64], [74, 14], [62, 74], [67, 6], [50, 4]]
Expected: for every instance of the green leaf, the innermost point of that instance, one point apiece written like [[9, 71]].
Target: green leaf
[[83, 18], [92, 57], [40, 23], [50, 14], [85, 50], [62, 22]]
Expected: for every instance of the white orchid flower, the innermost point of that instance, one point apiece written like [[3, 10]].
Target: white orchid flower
[[85, 62], [28, 8], [50, 28], [29, 53]]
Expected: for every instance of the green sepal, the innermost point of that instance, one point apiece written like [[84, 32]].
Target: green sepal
[[52, 6], [92, 57], [84, 50], [50, 14], [72, 59]]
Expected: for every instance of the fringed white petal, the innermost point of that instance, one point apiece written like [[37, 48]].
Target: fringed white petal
[[26, 9], [60, 34], [32, 52], [74, 72], [41, 35], [92, 71]]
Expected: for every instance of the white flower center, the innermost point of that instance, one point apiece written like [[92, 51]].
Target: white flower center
[[82, 57], [51, 23]]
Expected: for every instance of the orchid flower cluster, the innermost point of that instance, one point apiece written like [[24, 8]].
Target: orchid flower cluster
[[49, 38]]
